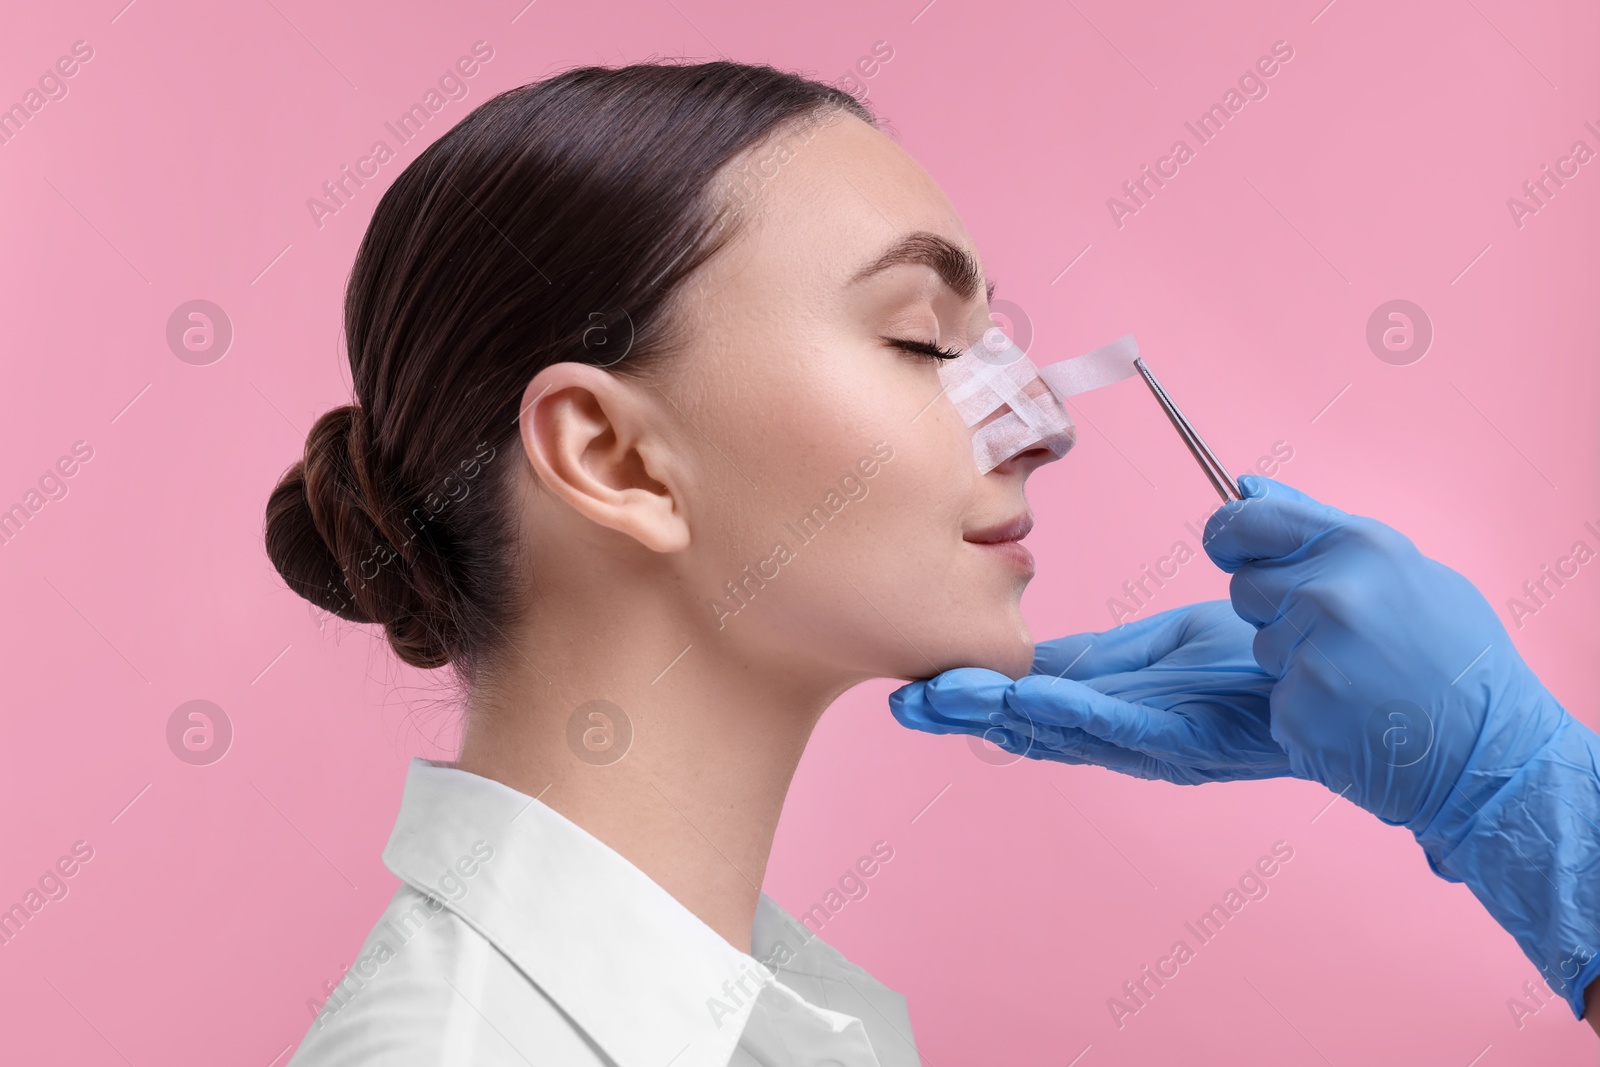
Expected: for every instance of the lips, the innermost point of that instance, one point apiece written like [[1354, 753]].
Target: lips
[[1014, 530]]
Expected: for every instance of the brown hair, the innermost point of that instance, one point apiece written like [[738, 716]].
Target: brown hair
[[552, 224]]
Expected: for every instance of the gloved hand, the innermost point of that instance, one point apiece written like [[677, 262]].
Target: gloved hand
[[1176, 696], [1399, 688]]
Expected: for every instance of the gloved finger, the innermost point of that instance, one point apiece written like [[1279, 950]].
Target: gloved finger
[[1257, 591], [1136, 728], [971, 700], [1129, 647], [1271, 522], [1275, 643], [953, 702], [1212, 634], [912, 707], [1033, 747], [909, 706], [1079, 748], [1299, 642]]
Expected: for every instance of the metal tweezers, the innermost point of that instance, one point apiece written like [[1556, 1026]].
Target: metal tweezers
[[1221, 480]]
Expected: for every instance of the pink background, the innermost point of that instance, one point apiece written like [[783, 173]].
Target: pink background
[[1378, 167]]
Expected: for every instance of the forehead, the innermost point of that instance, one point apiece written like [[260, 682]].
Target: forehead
[[824, 203]]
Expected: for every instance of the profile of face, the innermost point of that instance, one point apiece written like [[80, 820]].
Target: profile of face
[[794, 476]]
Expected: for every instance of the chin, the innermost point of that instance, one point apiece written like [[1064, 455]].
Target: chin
[[1006, 648]]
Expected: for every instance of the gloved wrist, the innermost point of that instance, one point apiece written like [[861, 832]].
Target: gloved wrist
[[1523, 719], [1526, 841]]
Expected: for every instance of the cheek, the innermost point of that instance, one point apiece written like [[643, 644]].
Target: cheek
[[917, 497], [877, 578], [777, 456], [815, 452], [932, 478], [803, 432]]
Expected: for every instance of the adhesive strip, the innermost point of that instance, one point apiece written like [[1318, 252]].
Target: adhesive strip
[[1107, 364], [995, 374]]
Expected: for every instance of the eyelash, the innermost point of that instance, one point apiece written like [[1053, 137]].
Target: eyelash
[[925, 348]]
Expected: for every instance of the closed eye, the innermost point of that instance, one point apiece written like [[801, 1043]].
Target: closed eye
[[925, 348]]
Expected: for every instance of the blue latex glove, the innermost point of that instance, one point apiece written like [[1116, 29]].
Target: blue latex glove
[[1400, 689], [1176, 696]]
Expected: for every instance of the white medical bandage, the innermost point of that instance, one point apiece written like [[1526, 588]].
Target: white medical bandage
[[995, 374]]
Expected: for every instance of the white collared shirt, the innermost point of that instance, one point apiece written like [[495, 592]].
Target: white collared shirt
[[518, 938]]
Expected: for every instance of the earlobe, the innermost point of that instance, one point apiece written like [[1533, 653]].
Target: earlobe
[[594, 440]]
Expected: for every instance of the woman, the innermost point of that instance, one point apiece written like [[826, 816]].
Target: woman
[[648, 445]]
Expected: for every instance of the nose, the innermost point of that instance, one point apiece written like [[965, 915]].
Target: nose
[[1024, 440], [1025, 462], [1001, 397]]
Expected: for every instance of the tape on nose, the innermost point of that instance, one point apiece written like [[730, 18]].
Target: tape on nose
[[1012, 405]]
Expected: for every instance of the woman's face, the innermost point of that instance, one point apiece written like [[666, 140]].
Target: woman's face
[[834, 507]]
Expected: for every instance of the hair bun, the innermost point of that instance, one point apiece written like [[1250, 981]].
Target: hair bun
[[324, 538]]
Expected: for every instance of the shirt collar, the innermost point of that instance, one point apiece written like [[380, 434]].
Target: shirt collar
[[644, 977]]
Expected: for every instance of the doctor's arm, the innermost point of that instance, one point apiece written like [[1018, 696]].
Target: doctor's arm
[[1398, 686], [1355, 661]]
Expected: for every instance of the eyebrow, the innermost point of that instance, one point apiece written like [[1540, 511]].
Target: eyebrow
[[954, 264]]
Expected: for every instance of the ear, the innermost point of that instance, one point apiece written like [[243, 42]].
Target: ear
[[594, 439]]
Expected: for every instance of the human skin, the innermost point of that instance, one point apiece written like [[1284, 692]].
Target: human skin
[[639, 497]]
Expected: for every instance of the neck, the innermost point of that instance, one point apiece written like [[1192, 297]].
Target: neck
[[694, 802]]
